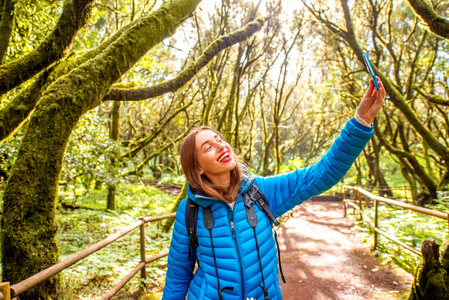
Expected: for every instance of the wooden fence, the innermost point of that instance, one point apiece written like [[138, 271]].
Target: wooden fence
[[8, 292], [358, 191]]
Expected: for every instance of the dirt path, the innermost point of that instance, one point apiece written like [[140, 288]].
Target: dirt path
[[323, 260]]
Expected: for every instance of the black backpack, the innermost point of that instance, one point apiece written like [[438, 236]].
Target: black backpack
[[253, 197]]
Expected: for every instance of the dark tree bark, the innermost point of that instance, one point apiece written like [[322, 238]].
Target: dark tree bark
[[408, 160]]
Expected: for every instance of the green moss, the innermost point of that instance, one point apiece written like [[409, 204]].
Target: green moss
[[444, 256], [431, 279], [28, 242]]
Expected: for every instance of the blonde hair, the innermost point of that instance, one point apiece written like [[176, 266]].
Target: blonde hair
[[200, 182]]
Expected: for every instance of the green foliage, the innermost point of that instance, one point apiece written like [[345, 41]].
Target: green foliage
[[408, 226], [34, 20], [8, 152], [292, 165], [88, 157], [81, 228]]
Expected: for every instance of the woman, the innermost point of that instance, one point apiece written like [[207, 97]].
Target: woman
[[235, 262]]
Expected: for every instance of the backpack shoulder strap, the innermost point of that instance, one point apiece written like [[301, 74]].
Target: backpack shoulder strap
[[191, 218], [255, 196], [262, 203]]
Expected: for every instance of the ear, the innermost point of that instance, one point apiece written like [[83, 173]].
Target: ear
[[201, 171]]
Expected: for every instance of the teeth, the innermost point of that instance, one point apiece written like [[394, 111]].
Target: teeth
[[224, 156]]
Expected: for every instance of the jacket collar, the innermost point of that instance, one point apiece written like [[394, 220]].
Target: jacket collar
[[205, 201]]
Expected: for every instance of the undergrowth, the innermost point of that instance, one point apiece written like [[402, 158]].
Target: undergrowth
[[409, 227], [82, 227]]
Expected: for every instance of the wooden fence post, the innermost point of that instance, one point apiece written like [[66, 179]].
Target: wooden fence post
[[344, 203], [143, 272], [6, 292], [375, 222], [359, 197]]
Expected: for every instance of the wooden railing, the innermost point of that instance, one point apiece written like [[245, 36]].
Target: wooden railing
[[374, 223], [9, 292]]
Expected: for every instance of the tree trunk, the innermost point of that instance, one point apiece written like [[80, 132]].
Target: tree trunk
[[28, 232], [432, 275], [114, 134], [28, 227], [6, 26], [384, 188]]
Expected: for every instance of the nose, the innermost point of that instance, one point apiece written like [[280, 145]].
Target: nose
[[220, 146]]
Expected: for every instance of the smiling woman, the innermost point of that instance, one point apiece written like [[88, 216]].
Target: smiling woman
[[210, 165], [225, 222]]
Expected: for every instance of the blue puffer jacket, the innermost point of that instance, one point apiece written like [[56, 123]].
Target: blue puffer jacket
[[235, 247]]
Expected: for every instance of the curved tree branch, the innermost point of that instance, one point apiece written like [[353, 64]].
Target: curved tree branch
[[187, 74], [436, 23], [433, 98], [18, 109], [158, 152], [140, 144], [74, 15]]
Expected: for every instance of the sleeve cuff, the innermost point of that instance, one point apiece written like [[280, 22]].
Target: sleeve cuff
[[361, 126]]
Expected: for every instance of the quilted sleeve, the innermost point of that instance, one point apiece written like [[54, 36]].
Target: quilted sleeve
[[285, 191], [179, 268]]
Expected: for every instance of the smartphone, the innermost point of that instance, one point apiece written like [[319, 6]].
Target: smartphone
[[370, 70]]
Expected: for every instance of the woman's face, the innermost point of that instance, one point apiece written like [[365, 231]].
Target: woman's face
[[214, 155]]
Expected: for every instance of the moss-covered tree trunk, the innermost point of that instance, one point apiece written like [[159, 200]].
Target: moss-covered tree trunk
[[28, 227], [432, 275], [436, 23]]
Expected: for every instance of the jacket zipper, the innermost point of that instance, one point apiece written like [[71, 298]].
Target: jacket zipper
[[239, 256], [234, 236]]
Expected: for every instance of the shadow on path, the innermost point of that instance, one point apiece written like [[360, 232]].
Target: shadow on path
[[322, 259]]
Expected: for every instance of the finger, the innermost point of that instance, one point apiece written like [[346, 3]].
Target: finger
[[380, 96], [369, 92], [379, 82]]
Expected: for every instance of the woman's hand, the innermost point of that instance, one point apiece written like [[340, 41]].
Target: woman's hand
[[371, 102]]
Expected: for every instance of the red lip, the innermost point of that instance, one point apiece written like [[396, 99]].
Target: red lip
[[224, 154]]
